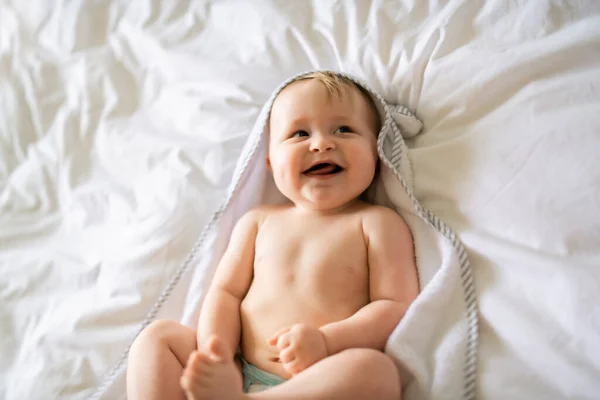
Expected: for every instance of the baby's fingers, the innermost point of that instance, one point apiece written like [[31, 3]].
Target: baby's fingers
[[284, 341], [288, 355], [293, 367], [273, 340]]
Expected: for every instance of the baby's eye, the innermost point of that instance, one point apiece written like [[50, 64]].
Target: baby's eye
[[343, 129], [298, 134]]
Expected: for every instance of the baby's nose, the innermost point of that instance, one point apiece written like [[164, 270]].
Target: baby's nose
[[321, 143]]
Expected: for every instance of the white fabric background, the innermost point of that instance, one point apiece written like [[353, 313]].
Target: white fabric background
[[121, 123]]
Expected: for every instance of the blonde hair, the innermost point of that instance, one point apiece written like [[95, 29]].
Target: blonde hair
[[336, 84]]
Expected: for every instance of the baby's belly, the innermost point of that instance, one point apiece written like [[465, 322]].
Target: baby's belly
[[264, 312]]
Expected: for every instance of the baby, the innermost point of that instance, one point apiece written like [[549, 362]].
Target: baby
[[309, 291]]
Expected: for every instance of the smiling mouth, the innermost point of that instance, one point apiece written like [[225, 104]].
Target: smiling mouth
[[324, 169]]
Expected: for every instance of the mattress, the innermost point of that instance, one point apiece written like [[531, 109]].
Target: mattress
[[121, 124]]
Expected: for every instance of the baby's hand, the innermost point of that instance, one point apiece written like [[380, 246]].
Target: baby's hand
[[300, 346]]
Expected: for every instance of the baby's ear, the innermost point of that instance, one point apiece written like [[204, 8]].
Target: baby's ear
[[268, 162]]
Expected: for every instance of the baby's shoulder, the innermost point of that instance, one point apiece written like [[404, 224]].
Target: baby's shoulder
[[263, 211], [369, 210], [375, 217]]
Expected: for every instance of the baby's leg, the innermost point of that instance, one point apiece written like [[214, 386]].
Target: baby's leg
[[355, 374], [160, 353], [157, 359], [352, 374], [212, 374]]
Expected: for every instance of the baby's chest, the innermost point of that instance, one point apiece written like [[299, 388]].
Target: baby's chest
[[316, 253]]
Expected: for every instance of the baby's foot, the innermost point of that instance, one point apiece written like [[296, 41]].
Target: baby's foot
[[212, 375]]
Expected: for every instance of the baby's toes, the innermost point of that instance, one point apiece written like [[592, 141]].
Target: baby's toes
[[195, 376], [199, 362], [191, 379], [197, 369], [192, 361], [187, 383]]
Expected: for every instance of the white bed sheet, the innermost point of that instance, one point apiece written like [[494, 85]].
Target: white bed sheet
[[121, 123]]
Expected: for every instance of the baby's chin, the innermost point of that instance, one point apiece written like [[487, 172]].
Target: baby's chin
[[325, 204]]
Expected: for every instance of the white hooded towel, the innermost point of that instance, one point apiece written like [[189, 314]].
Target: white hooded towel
[[435, 344]]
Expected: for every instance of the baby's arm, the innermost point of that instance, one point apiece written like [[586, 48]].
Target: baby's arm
[[220, 313], [393, 285]]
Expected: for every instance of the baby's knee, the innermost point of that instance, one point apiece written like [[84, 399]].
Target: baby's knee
[[156, 332], [369, 358], [381, 369]]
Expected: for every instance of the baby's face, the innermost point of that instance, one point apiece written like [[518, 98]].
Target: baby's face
[[322, 148]]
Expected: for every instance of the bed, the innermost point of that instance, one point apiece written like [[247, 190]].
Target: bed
[[121, 125]]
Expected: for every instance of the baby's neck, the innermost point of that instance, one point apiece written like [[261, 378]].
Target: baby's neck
[[329, 211]]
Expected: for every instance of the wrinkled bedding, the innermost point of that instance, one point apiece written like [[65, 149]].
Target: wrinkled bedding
[[121, 124]]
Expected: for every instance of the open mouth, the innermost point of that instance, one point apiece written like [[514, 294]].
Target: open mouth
[[324, 169]]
